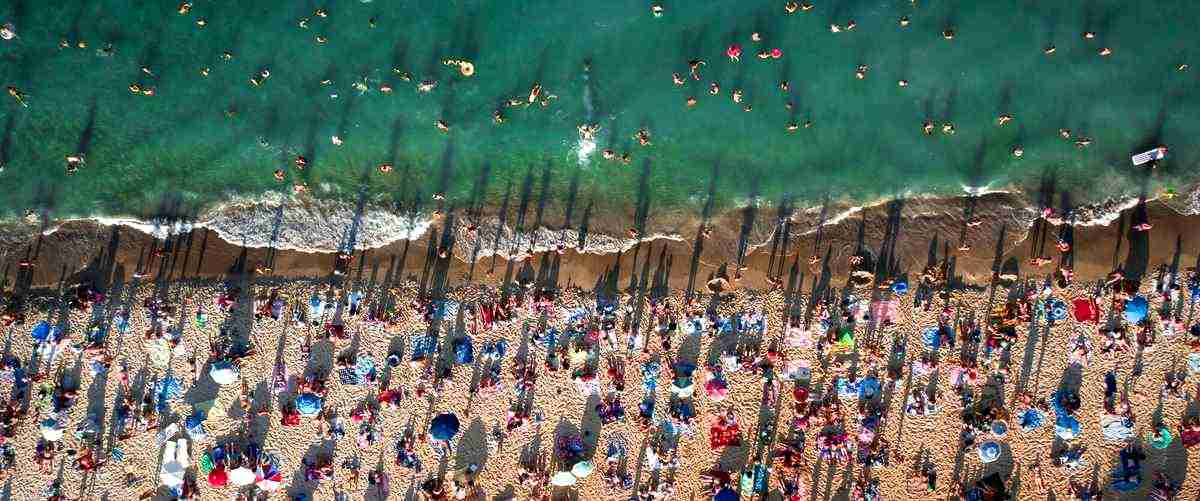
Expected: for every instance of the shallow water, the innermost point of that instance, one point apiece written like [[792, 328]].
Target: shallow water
[[178, 150]]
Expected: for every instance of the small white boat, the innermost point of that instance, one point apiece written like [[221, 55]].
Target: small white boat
[[1144, 157]]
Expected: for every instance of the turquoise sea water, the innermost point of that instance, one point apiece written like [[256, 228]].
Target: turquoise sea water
[[182, 146]]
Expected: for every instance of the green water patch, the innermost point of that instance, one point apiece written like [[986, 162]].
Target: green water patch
[[202, 139]]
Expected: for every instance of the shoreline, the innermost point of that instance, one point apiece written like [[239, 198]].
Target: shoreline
[[270, 230]]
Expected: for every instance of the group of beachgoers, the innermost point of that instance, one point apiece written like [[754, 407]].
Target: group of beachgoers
[[825, 370]]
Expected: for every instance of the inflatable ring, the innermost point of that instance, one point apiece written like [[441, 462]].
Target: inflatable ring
[[467, 68]]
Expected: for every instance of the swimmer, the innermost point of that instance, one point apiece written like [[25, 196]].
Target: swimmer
[[756, 37], [385, 168], [656, 10], [691, 102], [747, 108], [902, 83], [1049, 49], [426, 86], [808, 124], [714, 89], [385, 88], [625, 158], [587, 132], [734, 52], [834, 28], [74, 162], [1018, 152], [948, 129], [336, 140], [302, 22], [677, 79], [534, 92], [148, 91], [643, 137], [299, 188], [861, 71], [8, 31], [785, 86], [202, 22], [497, 117], [184, 8], [1064, 133], [300, 162], [792, 127], [1003, 120], [226, 56], [948, 33], [1083, 142], [135, 88], [18, 95], [608, 154], [441, 125], [1105, 51], [279, 175], [764, 54], [791, 7], [695, 65], [1143, 227], [904, 21], [850, 25], [787, 105], [1088, 35], [205, 71], [321, 12], [737, 95], [805, 6], [927, 128], [403, 75], [1182, 67], [321, 39]]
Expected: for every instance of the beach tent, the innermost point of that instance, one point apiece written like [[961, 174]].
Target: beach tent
[[1136, 308], [563, 479], [309, 404], [41, 331], [223, 372], [443, 426]]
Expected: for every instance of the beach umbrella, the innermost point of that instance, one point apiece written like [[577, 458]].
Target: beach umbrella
[[1086, 310], [563, 479], [582, 469], [41, 331], [900, 288], [223, 372], [268, 481], [989, 451], [716, 389], [1136, 308], [443, 426], [309, 404], [725, 494], [241, 476], [51, 430], [218, 477]]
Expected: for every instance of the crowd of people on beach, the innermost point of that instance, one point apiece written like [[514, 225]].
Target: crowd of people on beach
[[790, 382]]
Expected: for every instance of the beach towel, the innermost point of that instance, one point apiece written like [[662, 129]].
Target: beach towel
[[1116, 428], [1031, 419]]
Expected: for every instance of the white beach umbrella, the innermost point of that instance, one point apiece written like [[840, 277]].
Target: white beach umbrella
[[241, 476], [563, 479], [582, 469], [51, 430], [223, 373]]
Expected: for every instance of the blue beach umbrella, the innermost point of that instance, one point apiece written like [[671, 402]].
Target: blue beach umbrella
[[1136, 308], [309, 404], [988, 452], [443, 426], [41, 331], [900, 288], [725, 494]]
